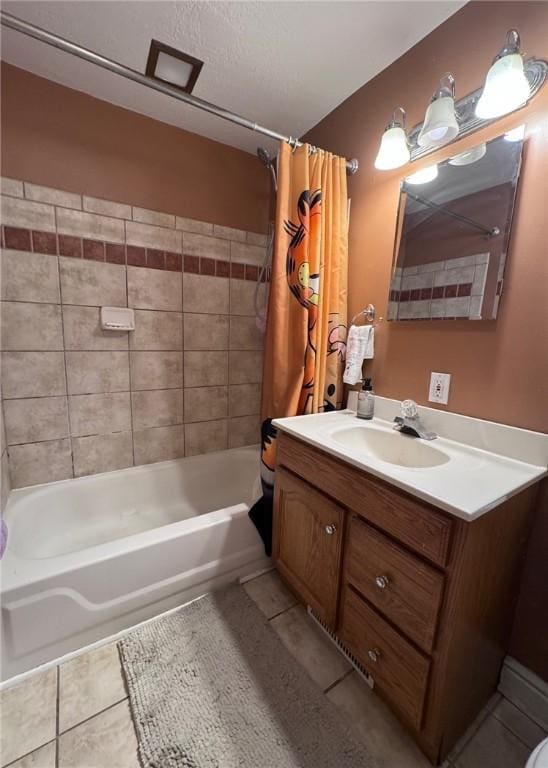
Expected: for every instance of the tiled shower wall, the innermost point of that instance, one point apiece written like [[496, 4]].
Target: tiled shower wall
[[79, 400]]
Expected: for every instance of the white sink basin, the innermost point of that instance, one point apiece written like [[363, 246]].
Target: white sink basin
[[391, 447]]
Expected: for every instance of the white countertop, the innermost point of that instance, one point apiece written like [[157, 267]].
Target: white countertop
[[471, 482]]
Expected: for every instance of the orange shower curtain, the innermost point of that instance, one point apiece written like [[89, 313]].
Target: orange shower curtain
[[306, 324]]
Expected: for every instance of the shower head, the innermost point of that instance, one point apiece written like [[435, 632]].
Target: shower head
[[269, 162]]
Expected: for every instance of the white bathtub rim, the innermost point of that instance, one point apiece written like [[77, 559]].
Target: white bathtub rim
[[20, 572]]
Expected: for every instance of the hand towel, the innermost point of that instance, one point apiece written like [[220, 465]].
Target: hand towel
[[359, 347]]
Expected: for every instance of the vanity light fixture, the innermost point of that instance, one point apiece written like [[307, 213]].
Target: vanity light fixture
[[423, 176], [440, 122], [394, 150], [172, 66], [506, 86]]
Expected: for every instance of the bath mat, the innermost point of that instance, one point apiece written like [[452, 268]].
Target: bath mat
[[212, 686]]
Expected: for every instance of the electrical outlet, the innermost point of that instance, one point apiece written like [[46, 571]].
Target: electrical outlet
[[439, 387]]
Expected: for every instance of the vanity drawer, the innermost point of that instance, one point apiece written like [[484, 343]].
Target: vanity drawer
[[402, 587], [417, 525], [398, 669]]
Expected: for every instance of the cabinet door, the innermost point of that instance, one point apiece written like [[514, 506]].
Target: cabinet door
[[308, 536]]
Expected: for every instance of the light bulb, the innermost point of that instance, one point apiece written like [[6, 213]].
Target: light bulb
[[423, 176], [506, 86], [469, 156]]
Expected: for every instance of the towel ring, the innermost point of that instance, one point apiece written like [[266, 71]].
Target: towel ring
[[369, 313]]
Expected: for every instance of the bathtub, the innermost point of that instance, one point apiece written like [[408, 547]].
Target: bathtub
[[87, 558]]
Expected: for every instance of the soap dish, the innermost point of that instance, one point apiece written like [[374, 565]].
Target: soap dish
[[117, 319]]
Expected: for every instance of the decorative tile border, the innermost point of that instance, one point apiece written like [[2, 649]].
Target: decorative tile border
[[35, 241]]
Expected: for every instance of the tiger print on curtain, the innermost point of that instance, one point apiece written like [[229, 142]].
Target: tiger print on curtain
[[306, 325]]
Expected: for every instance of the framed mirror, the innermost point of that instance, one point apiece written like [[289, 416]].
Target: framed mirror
[[452, 234]]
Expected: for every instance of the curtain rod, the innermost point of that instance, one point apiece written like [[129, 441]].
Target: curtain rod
[[26, 28], [493, 232]]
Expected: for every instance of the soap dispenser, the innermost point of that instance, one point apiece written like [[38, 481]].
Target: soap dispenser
[[366, 400]]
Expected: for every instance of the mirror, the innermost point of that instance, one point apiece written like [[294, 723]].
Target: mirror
[[452, 234]]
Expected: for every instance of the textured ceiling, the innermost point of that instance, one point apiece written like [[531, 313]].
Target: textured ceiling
[[284, 65]]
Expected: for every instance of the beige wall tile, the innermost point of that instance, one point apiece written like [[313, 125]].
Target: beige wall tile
[[92, 283], [156, 370], [28, 214], [159, 444], [244, 399], [157, 330], [204, 369], [203, 245], [250, 254], [254, 238], [28, 715], [157, 408], [33, 374], [207, 332], [32, 327], [12, 187], [91, 225], [94, 372], [153, 237], [205, 436], [31, 420], [36, 463], [30, 277], [106, 207], [202, 293], [245, 367], [242, 297], [52, 196], [193, 225], [146, 216], [229, 233], [82, 329], [244, 333], [154, 289], [244, 430], [99, 414], [205, 403], [102, 453]]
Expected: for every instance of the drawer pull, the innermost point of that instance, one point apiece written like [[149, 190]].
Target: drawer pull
[[331, 529], [381, 582], [374, 654]]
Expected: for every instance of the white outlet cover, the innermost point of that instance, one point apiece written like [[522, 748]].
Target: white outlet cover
[[439, 388]]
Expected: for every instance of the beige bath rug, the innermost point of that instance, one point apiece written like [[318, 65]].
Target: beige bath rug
[[212, 686]]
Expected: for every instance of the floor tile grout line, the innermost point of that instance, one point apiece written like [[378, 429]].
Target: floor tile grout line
[[22, 757], [514, 731], [284, 610], [99, 712], [339, 680]]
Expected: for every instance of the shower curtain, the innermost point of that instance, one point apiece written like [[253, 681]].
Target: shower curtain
[[306, 325]]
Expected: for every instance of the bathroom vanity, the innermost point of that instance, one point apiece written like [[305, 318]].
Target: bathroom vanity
[[410, 554]]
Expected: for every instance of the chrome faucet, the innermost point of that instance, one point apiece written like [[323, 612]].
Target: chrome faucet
[[409, 422]]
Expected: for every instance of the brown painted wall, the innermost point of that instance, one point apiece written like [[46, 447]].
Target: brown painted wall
[[59, 137], [499, 368]]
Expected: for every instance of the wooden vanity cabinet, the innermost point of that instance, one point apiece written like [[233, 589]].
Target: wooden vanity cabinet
[[423, 600]]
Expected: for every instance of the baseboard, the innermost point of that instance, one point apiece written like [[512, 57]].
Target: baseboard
[[526, 690]]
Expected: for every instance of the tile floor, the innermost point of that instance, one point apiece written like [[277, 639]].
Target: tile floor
[[77, 715]]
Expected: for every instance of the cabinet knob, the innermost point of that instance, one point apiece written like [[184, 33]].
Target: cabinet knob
[[374, 654], [331, 529], [381, 582]]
